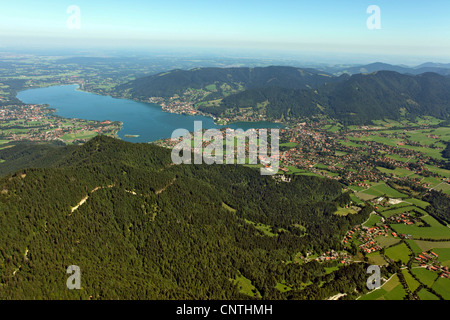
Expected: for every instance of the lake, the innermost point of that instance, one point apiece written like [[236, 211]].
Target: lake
[[144, 119]]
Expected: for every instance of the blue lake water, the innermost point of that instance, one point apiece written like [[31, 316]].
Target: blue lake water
[[144, 119]]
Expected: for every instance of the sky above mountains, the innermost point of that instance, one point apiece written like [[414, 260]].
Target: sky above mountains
[[402, 27]]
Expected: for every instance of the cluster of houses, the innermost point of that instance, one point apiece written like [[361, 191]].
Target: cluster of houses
[[46, 127], [367, 236], [318, 145], [179, 107], [429, 261], [332, 255], [404, 218]]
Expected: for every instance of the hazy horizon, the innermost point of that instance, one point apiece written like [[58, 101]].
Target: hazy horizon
[[409, 32]]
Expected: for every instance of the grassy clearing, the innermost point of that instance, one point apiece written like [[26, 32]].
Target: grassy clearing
[[211, 87], [282, 287], [364, 196], [245, 286], [399, 252], [391, 290], [424, 294], [435, 231], [386, 241], [382, 189], [412, 283], [376, 258], [356, 200], [345, 211], [440, 171], [330, 269], [444, 255], [392, 212], [356, 188], [295, 170], [351, 144], [398, 172], [444, 187], [289, 144], [425, 276], [399, 158], [264, 228], [428, 245], [414, 246], [224, 205], [373, 220], [81, 135], [442, 287], [432, 181], [417, 202]]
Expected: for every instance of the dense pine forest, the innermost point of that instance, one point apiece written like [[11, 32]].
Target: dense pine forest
[[355, 100], [287, 92], [141, 228]]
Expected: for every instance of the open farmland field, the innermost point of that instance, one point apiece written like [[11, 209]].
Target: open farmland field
[[414, 246], [442, 287], [376, 258], [424, 294], [386, 241], [398, 172], [434, 231], [425, 276], [417, 202], [391, 290], [412, 283], [373, 220], [399, 252], [382, 189], [396, 211], [245, 286], [444, 256], [429, 245]]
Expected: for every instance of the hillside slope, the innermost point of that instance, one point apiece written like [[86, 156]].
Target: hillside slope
[[359, 99], [174, 82], [141, 228]]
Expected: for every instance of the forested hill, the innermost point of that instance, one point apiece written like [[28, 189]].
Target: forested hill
[[139, 227], [174, 82], [359, 99], [442, 69]]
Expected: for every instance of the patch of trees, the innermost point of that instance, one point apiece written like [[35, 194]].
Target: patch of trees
[[149, 230], [439, 206], [355, 100]]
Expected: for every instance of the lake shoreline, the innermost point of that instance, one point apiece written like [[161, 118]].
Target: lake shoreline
[[140, 121]]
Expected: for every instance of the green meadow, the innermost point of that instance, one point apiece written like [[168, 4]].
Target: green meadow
[[434, 231], [382, 189], [425, 276], [424, 294], [412, 283], [398, 252], [442, 287], [391, 290]]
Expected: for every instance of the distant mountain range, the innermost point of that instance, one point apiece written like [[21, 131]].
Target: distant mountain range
[[359, 99], [370, 94], [178, 81], [439, 68]]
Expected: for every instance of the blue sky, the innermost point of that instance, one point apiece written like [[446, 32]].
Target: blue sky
[[408, 27]]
